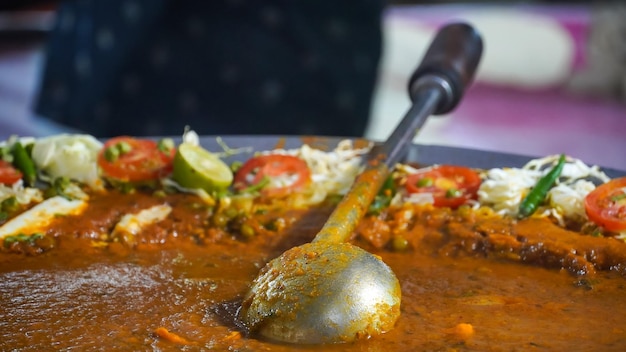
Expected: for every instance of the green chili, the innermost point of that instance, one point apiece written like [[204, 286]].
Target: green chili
[[531, 202], [24, 163]]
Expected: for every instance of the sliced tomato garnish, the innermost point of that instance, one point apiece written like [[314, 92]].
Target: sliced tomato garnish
[[451, 186], [8, 173], [606, 205], [139, 160], [279, 175]]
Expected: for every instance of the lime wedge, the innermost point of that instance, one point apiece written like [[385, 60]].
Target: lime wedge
[[196, 167]]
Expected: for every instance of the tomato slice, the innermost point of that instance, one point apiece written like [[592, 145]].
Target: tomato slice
[[141, 160], [284, 174], [9, 174], [606, 205], [451, 186]]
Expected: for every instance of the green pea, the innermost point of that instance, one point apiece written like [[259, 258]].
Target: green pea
[[159, 193], [123, 147], [111, 154], [247, 230], [425, 182], [399, 243], [220, 220], [453, 193]]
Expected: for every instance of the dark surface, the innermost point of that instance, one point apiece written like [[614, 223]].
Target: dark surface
[[150, 67]]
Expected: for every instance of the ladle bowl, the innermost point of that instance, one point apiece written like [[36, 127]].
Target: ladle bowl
[[317, 289]]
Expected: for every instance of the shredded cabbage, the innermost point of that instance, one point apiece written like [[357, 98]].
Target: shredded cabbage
[[69, 155], [503, 189], [570, 199]]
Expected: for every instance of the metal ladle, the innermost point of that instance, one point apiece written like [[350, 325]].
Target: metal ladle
[[329, 291]]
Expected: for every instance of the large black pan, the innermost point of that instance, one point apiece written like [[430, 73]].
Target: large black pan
[[422, 154]]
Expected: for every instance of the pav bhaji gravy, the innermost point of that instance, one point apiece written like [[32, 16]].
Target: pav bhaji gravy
[[470, 281]]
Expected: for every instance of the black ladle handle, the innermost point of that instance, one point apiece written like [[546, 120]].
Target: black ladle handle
[[453, 55], [436, 86]]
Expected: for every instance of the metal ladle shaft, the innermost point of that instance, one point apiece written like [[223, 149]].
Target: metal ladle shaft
[[435, 88]]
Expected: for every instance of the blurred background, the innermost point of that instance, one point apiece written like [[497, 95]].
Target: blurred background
[[552, 79]]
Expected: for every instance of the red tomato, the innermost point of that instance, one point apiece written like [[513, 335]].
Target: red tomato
[[9, 174], [285, 173], [142, 161], [451, 186], [606, 205]]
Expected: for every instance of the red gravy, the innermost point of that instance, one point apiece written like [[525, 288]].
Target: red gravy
[[468, 283]]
